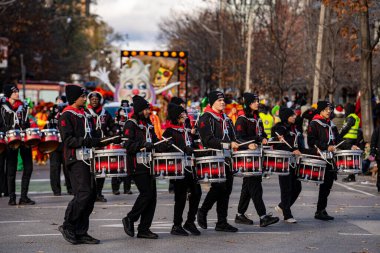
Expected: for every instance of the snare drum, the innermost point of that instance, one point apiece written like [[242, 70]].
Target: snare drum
[[3, 144], [32, 137], [348, 161], [169, 165], [247, 163], [277, 162], [110, 161], [49, 141], [13, 138], [311, 170], [211, 169]]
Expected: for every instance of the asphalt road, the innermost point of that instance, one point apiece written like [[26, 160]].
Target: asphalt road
[[356, 228]]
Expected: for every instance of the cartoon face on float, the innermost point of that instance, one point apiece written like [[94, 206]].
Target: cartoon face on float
[[135, 80]]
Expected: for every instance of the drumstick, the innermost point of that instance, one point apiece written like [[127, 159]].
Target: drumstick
[[314, 156], [340, 143], [180, 150], [110, 138], [274, 142], [154, 144], [244, 143], [283, 140], [208, 149]]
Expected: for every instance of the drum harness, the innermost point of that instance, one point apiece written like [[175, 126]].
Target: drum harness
[[98, 119], [187, 141], [325, 155], [15, 117], [146, 156]]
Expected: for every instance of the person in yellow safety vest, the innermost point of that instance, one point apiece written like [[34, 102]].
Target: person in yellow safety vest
[[275, 114], [267, 119], [349, 132]]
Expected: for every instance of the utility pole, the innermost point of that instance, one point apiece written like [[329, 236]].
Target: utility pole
[[23, 73], [221, 9], [318, 57], [249, 48]]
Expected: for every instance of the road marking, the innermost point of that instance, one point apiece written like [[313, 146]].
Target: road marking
[[355, 190], [19, 221], [355, 234], [36, 235]]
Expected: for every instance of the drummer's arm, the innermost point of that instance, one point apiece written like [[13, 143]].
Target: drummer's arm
[[314, 140], [207, 136], [132, 144], [68, 133]]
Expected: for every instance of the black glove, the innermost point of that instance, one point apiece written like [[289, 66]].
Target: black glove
[[169, 143], [91, 142], [188, 150], [148, 146]]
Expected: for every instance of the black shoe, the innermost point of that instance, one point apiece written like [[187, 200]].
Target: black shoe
[[242, 219], [190, 226], [349, 178], [116, 192], [87, 239], [57, 194], [26, 201], [128, 192], [147, 235], [100, 198], [70, 192], [12, 201], [178, 230], [128, 225], [322, 215], [225, 227], [68, 235], [268, 220], [202, 219]]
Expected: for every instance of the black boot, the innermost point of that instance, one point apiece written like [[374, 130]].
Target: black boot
[[147, 234], [26, 201], [322, 215], [190, 226], [225, 227], [100, 198], [12, 200], [128, 225], [268, 220], [68, 235], [202, 219], [87, 239], [242, 219], [178, 230]]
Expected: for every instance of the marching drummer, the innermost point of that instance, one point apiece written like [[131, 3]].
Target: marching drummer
[[322, 136], [77, 136], [183, 140], [250, 127], [15, 115], [140, 134], [217, 132], [290, 187], [104, 126]]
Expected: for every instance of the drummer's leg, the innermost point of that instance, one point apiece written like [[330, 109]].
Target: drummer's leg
[[211, 197], [245, 196], [26, 155], [256, 192], [11, 164], [66, 174], [194, 199], [285, 188], [296, 187], [99, 189], [55, 173], [324, 189], [148, 212], [180, 193], [224, 198]]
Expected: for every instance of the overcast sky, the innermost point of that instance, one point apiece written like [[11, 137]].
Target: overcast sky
[[140, 18]]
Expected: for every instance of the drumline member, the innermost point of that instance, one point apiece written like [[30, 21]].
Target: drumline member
[[121, 117], [217, 132], [57, 160], [181, 137], [77, 136], [289, 185], [249, 127], [15, 116], [323, 134], [104, 127], [140, 134], [3, 168]]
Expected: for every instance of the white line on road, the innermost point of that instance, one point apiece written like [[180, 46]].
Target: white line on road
[[19, 221], [355, 190], [355, 234], [36, 235]]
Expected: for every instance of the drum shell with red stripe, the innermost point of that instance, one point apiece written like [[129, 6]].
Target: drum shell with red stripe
[[49, 140], [169, 165], [211, 169], [348, 161], [247, 163], [13, 138], [31, 137], [311, 170], [3, 143], [277, 161], [110, 161]]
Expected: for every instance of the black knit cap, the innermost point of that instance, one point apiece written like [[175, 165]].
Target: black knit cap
[[214, 95], [177, 101], [249, 98], [285, 113], [9, 89], [174, 111], [139, 104], [73, 92], [321, 105], [124, 103]]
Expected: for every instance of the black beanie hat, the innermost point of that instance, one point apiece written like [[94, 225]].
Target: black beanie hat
[[9, 89], [321, 105], [177, 101], [285, 113], [124, 103], [249, 98], [214, 95], [139, 104], [174, 111], [73, 92]]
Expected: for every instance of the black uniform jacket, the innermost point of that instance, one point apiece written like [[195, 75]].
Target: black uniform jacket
[[249, 128], [10, 112]]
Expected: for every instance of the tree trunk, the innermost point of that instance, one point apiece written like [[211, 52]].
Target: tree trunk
[[366, 74]]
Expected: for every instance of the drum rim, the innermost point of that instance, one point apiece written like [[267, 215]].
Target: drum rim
[[248, 152], [208, 160], [13, 131], [49, 130], [348, 152], [112, 152], [173, 154]]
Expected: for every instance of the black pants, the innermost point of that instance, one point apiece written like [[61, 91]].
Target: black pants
[[180, 194], [116, 182], [252, 189], [99, 185], [219, 193], [290, 189], [11, 161], [3, 175], [80, 207], [145, 204], [56, 163], [325, 188]]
